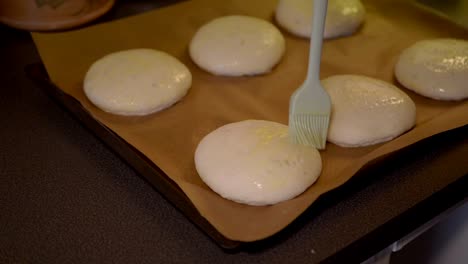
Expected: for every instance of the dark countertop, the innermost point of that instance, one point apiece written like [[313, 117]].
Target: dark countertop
[[67, 198]]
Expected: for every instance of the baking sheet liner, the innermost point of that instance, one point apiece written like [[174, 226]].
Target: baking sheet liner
[[169, 138]]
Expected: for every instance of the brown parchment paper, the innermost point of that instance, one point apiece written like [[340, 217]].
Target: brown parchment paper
[[169, 138]]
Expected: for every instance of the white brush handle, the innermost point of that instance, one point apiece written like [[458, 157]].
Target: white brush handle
[[316, 39]]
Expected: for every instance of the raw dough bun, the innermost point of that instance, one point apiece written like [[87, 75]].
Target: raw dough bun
[[253, 162], [435, 68], [343, 17], [136, 82], [237, 45], [367, 111]]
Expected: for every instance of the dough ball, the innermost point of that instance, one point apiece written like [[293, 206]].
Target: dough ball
[[435, 68], [237, 45], [343, 17], [253, 162], [136, 82], [367, 111]]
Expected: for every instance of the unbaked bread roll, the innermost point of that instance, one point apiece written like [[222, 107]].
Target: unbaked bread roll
[[237, 45], [367, 111], [343, 17], [435, 68], [253, 162], [136, 82]]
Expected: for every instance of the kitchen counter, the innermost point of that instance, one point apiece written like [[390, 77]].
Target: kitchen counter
[[67, 198]]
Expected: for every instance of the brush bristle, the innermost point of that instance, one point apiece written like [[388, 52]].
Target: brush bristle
[[309, 129]]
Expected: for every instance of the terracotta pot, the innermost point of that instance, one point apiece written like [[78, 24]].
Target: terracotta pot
[[43, 15]]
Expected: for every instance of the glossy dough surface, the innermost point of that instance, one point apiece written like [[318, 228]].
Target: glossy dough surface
[[343, 17], [253, 162], [136, 82], [237, 45], [367, 111], [435, 68]]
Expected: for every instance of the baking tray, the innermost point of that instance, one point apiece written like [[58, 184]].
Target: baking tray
[[136, 159]]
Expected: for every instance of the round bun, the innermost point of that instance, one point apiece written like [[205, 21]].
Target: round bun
[[136, 82], [253, 162], [367, 111], [436, 68], [237, 45], [343, 17]]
